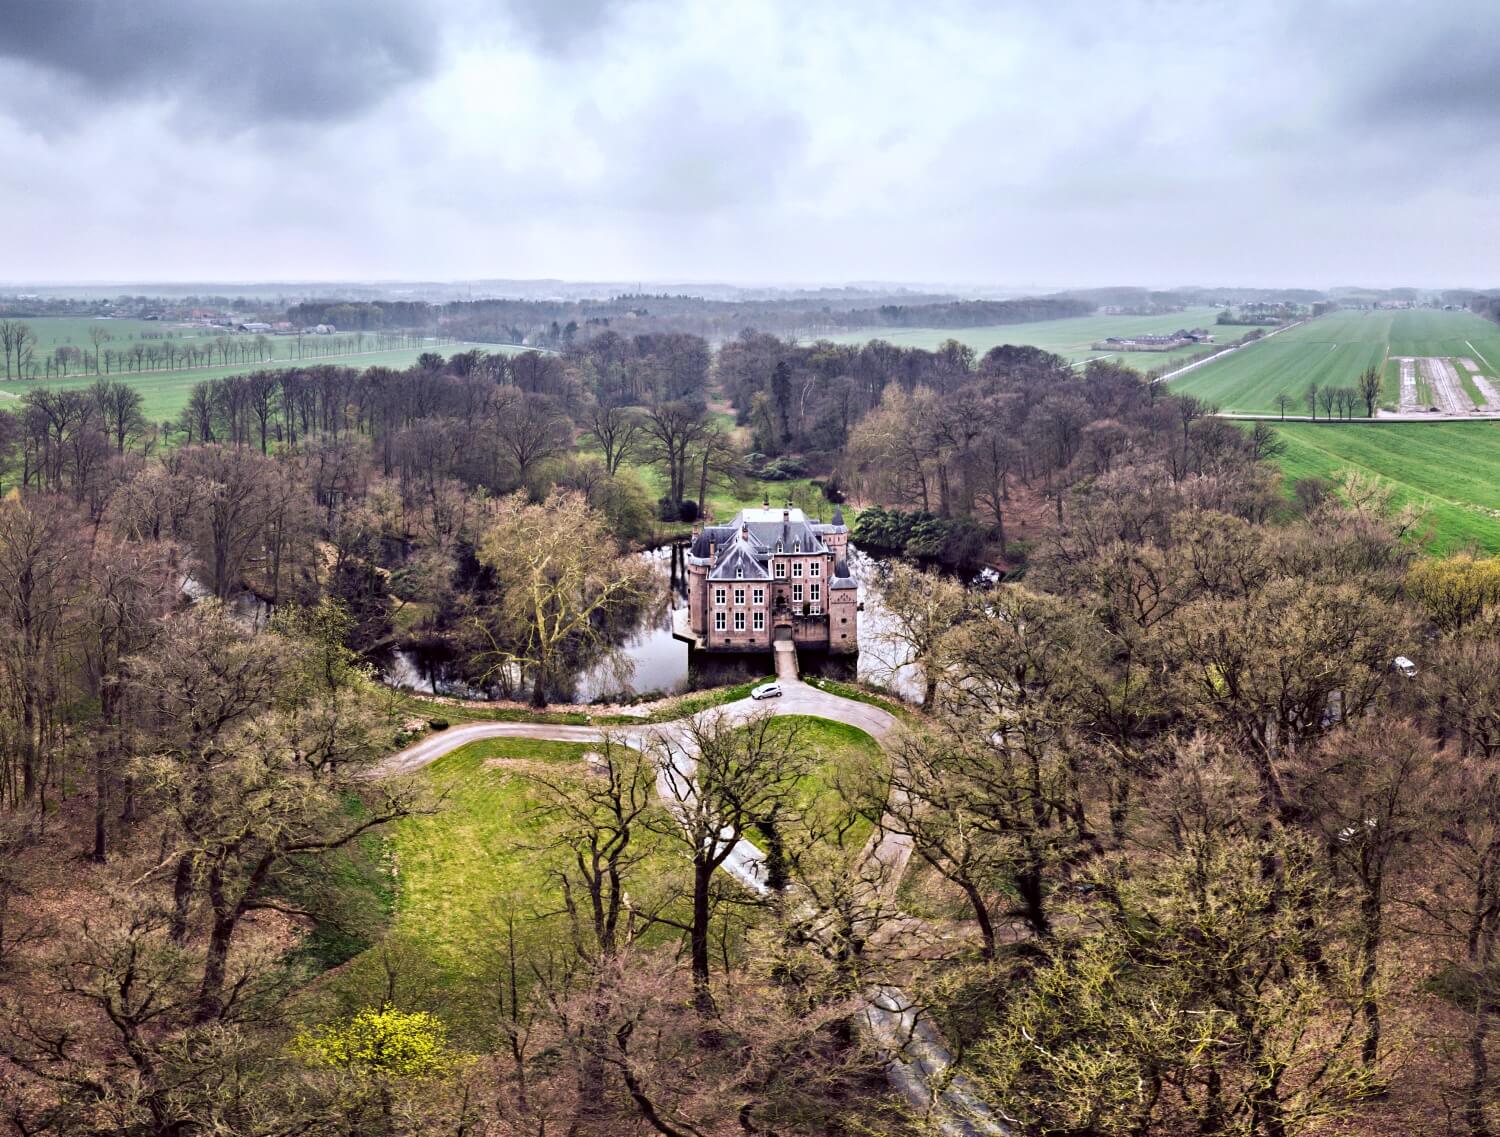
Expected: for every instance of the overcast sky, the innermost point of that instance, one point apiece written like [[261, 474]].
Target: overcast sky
[[1034, 143]]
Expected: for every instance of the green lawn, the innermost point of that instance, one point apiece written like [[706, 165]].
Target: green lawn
[[1071, 338], [1451, 470], [723, 503], [1333, 350], [835, 747], [487, 852]]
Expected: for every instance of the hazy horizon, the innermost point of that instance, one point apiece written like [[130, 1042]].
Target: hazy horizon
[[1024, 145]]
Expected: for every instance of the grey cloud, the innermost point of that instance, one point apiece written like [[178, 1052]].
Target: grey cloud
[[992, 140], [560, 26], [275, 60]]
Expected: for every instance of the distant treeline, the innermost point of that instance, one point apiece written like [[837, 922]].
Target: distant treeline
[[968, 313], [1486, 306], [559, 324]]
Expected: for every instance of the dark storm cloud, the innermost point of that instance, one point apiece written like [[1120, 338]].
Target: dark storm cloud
[[273, 60], [1445, 80], [1428, 66], [1010, 141]]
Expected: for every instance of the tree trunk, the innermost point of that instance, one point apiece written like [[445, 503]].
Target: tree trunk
[[101, 805], [1476, 1096], [1370, 1006], [703, 998], [1029, 886], [211, 990], [182, 897], [982, 919]]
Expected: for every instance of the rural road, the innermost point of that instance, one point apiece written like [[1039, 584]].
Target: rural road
[[919, 1063]]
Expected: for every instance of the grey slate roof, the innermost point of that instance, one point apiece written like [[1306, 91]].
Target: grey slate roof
[[746, 545], [786, 527], [740, 561]]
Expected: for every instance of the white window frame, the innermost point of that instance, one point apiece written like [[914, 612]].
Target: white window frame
[[739, 621], [721, 596], [739, 596], [816, 609], [815, 568], [796, 568], [739, 574], [759, 621], [797, 546], [796, 594], [758, 595], [815, 592], [780, 570], [719, 621]]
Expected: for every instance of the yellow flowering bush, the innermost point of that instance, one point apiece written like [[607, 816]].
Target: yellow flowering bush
[[384, 1042]]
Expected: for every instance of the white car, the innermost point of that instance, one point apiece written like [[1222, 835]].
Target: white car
[[767, 691]]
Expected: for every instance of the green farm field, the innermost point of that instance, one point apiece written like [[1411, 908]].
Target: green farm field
[[1450, 470], [1071, 338], [166, 392], [1333, 350]]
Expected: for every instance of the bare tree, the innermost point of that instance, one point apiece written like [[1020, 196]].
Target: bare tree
[[616, 429], [721, 777]]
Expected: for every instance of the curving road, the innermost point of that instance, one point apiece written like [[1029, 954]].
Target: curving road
[[918, 1062]]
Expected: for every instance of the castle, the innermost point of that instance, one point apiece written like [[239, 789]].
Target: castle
[[771, 574]]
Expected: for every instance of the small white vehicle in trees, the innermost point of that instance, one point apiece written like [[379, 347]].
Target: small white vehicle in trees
[[1405, 666], [767, 691]]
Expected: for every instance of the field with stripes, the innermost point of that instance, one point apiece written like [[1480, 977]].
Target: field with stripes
[[1333, 350]]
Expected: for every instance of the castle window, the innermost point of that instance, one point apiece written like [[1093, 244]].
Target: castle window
[[720, 595], [718, 621], [759, 596], [796, 594], [817, 609], [796, 568], [815, 592], [778, 546], [780, 570], [739, 595], [760, 621], [739, 574], [796, 546], [739, 621], [815, 568]]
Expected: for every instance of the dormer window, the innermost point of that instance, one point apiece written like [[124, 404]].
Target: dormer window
[[739, 574], [796, 546], [778, 546]]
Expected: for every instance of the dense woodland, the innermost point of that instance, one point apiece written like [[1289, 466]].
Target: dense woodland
[[1188, 855]]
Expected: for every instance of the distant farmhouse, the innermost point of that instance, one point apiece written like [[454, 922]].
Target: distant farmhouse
[[1183, 337], [771, 574]]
